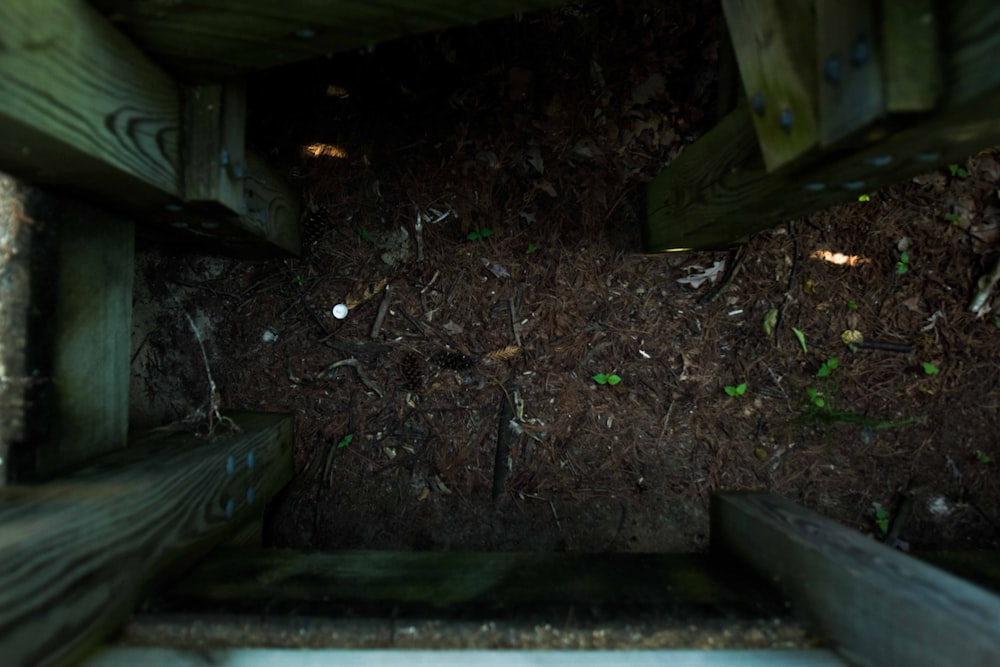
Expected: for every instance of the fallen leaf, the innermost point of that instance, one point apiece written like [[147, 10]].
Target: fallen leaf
[[424, 493], [770, 321], [913, 303], [547, 188]]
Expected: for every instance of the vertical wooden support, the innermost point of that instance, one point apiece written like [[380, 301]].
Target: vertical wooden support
[[710, 198], [912, 57], [78, 552], [848, 68], [877, 605], [213, 145], [775, 46], [70, 287]]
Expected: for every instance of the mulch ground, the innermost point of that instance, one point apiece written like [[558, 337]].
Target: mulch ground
[[483, 188]]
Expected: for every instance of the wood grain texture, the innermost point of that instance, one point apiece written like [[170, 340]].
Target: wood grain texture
[[775, 46], [66, 304], [911, 52], [81, 106], [215, 39], [850, 91], [79, 551], [214, 141], [707, 198], [92, 325], [378, 582], [877, 605]]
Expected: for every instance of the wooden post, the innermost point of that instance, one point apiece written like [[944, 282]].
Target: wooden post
[[83, 109], [67, 325], [716, 193], [78, 552], [877, 605]]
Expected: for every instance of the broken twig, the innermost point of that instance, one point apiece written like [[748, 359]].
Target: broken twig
[[382, 310], [359, 369]]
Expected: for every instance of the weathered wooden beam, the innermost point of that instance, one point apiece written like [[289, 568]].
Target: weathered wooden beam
[[65, 330], [79, 551], [214, 145], [912, 56], [848, 67], [214, 39], [463, 583], [709, 197], [82, 109], [876, 605], [234, 657], [775, 46]]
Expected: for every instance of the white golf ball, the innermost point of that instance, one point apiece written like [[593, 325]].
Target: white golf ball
[[340, 311]]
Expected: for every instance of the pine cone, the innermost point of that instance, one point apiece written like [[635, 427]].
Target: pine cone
[[314, 224], [412, 371]]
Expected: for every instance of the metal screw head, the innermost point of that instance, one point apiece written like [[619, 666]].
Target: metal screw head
[[786, 119], [758, 104], [861, 51], [831, 70]]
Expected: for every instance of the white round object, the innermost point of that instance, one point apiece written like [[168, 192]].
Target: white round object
[[269, 336], [340, 311]]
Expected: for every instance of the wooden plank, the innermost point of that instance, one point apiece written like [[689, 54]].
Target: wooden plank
[[214, 145], [910, 44], [849, 68], [165, 657], [67, 305], [217, 39], [82, 109], [405, 583], [79, 551], [775, 45], [724, 201], [877, 605]]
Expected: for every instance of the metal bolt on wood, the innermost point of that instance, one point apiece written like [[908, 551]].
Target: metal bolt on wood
[[759, 104], [786, 119]]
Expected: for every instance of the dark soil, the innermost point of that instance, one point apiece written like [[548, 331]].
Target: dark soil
[[471, 420]]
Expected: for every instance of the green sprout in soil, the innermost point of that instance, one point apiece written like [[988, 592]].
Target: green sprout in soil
[[852, 305], [816, 397], [604, 378], [479, 233], [531, 249], [881, 518], [958, 171], [983, 457], [345, 441], [828, 367], [298, 281], [865, 198], [929, 368], [801, 338], [738, 390], [953, 218], [903, 265]]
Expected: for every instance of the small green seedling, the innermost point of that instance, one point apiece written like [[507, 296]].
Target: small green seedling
[[738, 390], [903, 265], [881, 518], [801, 338], [815, 397], [604, 378], [852, 305], [929, 368], [828, 367], [958, 171], [983, 457], [479, 233], [865, 198], [345, 441], [953, 218], [531, 249], [298, 281]]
